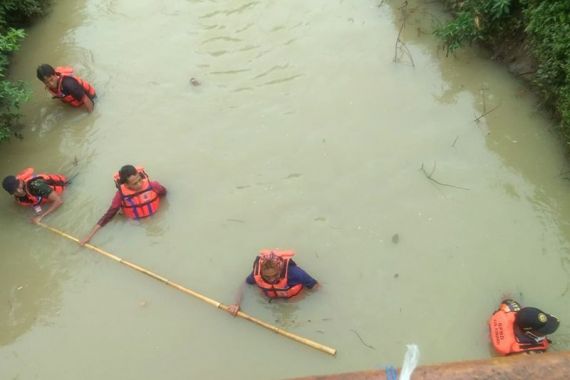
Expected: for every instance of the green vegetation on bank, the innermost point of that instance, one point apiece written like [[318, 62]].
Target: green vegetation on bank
[[545, 24], [13, 15]]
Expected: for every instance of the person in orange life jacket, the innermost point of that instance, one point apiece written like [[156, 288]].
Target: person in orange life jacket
[[63, 85], [520, 330], [277, 275], [137, 196], [34, 190]]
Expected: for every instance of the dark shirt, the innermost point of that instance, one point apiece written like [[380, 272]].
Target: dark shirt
[[117, 201], [37, 188], [70, 86], [295, 275]]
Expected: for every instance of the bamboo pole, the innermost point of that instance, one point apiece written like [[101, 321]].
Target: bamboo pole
[[277, 330]]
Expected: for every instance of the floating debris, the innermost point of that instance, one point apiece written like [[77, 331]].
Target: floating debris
[[194, 82], [362, 340], [395, 238]]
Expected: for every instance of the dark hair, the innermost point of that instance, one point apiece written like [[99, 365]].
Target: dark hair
[[125, 172], [10, 184], [273, 263], [43, 71]]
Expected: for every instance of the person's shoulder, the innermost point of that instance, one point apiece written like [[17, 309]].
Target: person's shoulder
[[69, 81], [39, 186], [296, 274]]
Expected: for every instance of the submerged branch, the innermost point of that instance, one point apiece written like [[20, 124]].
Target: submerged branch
[[454, 141], [362, 340], [400, 45], [430, 177], [486, 113]]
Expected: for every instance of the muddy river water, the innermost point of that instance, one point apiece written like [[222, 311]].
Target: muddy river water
[[304, 134]]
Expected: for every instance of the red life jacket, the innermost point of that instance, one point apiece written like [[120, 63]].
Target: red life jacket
[[138, 204], [56, 181], [66, 71], [503, 337], [281, 288]]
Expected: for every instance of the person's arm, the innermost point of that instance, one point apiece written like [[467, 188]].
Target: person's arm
[[55, 201], [88, 238], [111, 212], [158, 188], [235, 307], [88, 103]]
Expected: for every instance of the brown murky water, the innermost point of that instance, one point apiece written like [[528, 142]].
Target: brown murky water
[[304, 134]]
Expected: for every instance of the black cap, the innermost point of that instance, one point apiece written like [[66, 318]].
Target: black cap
[[535, 320], [10, 184]]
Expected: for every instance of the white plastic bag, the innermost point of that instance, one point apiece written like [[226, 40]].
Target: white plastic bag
[[411, 360]]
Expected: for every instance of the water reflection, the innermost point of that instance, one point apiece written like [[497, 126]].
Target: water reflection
[[29, 288], [158, 224]]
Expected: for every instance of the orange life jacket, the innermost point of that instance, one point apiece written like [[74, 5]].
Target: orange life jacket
[[56, 181], [281, 288], [138, 204], [503, 337], [66, 71]]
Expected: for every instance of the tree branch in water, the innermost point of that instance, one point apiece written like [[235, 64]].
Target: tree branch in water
[[486, 113], [430, 177], [400, 45], [362, 340]]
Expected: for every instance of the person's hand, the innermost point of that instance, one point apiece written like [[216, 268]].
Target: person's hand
[[37, 219], [233, 309], [84, 241]]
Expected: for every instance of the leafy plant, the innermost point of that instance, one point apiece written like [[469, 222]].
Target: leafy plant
[[475, 20], [13, 14], [546, 24]]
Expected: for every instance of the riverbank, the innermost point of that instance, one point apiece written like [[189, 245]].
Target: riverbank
[[532, 38]]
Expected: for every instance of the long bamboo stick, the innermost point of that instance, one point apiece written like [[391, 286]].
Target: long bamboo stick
[[241, 314]]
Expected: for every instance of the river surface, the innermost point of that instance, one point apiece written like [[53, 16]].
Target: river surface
[[304, 134]]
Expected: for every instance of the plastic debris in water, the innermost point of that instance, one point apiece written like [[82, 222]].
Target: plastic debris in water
[[411, 359]]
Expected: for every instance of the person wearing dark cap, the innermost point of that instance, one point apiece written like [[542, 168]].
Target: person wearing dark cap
[[277, 275], [517, 330], [35, 190], [137, 197], [532, 325]]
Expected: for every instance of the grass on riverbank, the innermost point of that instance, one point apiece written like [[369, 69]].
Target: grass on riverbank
[[542, 25]]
